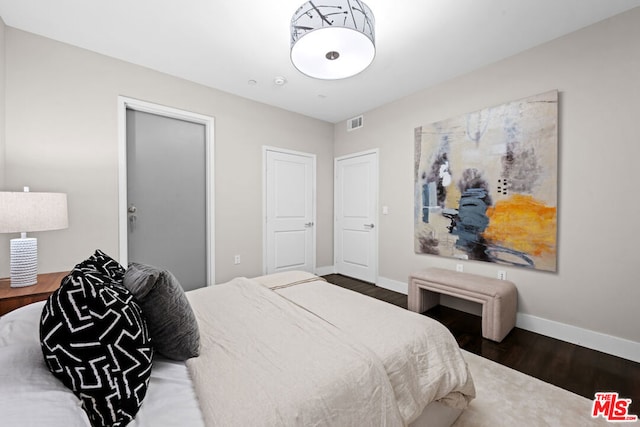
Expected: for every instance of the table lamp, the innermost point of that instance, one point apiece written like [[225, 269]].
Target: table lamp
[[27, 212]]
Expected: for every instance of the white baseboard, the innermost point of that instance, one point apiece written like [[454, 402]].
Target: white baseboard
[[583, 337], [322, 271], [393, 285]]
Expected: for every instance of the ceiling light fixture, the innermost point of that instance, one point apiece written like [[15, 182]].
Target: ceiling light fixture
[[332, 40]]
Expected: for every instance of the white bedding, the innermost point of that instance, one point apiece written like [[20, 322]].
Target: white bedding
[[422, 360], [421, 357], [265, 362], [31, 396]]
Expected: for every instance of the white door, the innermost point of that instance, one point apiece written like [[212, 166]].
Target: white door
[[289, 211], [356, 206]]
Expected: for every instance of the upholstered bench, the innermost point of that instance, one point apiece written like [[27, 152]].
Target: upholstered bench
[[499, 298]]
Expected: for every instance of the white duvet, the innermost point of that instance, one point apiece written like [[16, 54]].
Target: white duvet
[[308, 353], [266, 362], [422, 359]]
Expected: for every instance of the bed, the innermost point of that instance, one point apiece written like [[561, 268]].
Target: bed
[[279, 350]]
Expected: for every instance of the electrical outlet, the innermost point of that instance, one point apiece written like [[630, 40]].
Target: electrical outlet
[[502, 275], [459, 268], [236, 259]]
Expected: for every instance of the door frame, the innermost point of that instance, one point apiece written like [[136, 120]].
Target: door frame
[[376, 217], [125, 103], [265, 149]]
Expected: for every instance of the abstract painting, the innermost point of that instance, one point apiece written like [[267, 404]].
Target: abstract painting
[[486, 184]]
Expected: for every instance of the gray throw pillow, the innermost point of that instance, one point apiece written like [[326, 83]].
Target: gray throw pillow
[[172, 324]]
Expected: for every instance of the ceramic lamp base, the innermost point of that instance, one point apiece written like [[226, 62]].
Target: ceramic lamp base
[[24, 262]]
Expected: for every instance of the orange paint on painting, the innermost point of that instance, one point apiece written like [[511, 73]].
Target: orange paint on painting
[[524, 224]]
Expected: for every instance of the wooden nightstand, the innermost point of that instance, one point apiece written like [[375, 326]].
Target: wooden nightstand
[[12, 298]]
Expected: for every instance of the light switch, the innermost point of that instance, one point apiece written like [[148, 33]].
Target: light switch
[[385, 210]]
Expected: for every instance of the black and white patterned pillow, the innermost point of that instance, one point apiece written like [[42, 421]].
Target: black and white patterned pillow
[[94, 338], [102, 265]]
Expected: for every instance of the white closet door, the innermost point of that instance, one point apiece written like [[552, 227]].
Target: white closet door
[[356, 205], [290, 213]]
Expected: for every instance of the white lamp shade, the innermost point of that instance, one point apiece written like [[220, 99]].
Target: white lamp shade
[[26, 212], [334, 39]]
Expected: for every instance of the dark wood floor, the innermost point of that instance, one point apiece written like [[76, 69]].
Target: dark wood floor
[[569, 366]]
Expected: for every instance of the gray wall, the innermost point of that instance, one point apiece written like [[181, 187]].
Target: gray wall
[[4, 240], [597, 71], [2, 96], [61, 135]]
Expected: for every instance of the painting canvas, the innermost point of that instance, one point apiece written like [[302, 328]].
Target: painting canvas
[[486, 184]]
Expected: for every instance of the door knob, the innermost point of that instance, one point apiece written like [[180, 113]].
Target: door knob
[[369, 226], [309, 224], [132, 216]]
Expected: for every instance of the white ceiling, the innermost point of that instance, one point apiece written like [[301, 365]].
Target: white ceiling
[[224, 44]]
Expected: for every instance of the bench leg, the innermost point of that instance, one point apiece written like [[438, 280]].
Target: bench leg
[[498, 318], [420, 299]]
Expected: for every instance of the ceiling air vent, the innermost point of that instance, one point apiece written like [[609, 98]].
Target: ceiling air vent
[[355, 123]]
